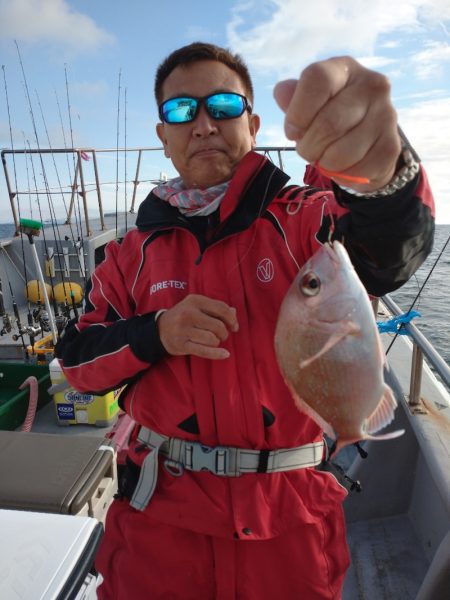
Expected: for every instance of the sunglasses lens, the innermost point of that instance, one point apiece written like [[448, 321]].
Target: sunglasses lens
[[178, 110], [225, 106]]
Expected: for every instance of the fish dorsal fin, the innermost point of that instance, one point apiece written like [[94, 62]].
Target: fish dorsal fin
[[345, 328], [384, 412]]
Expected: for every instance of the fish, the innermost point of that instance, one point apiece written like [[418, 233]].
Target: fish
[[329, 350]]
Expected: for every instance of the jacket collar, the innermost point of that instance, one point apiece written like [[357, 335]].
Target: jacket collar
[[253, 186]]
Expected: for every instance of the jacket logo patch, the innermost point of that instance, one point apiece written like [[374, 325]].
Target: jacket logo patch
[[170, 283], [265, 270]]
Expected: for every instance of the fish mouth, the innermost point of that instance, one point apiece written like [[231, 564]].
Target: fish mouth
[[338, 253]]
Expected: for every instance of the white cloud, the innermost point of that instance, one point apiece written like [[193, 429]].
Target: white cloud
[[273, 135], [314, 30], [51, 21], [429, 62], [376, 62], [427, 125]]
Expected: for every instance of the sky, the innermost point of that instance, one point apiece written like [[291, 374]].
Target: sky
[[108, 52]]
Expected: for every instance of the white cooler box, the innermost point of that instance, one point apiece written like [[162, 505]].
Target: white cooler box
[[47, 556]]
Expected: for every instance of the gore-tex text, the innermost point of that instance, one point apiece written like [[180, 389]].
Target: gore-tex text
[[171, 283]]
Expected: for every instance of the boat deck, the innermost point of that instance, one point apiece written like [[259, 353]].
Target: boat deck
[[387, 560]]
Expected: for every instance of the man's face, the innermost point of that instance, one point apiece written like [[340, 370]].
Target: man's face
[[206, 151]]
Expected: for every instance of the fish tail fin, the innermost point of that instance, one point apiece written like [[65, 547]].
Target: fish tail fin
[[340, 443], [385, 436]]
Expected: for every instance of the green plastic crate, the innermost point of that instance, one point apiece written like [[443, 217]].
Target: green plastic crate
[[13, 401]]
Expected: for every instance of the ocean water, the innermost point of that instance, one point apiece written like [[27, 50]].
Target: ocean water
[[434, 300]]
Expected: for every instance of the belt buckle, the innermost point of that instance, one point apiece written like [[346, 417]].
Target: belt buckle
[[204, 458]]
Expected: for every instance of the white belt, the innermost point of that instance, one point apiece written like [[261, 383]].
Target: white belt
[[219, 460]]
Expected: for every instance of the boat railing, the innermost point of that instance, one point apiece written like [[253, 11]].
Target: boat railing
[[422, 348], [80, 187]]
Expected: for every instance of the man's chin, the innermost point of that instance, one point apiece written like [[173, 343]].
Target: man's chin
[[209, 176]]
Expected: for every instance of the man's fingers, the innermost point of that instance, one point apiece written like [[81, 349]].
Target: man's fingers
[[318, 83], [196, 325], [283, 92], [206, 351], [220, 310]]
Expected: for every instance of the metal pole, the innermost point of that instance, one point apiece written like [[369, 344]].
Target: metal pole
[[83, 195], [44, 290], [136, 181], [11, 194], [416, 376], [99, 195]]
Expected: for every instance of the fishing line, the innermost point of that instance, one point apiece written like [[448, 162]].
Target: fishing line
[[420, 291]]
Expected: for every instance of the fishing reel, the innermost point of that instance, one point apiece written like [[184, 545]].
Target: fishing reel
[[29, 330], [60, 322], [40, 315], [7, 325]]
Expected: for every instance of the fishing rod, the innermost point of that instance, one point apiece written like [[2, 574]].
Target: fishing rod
[[6, 319], [42, 317], [419, 292], [14, 303], [125, 156], [79, 245], [8, 325], [117, 148], [75, 165], [30, 229], [65, 278]]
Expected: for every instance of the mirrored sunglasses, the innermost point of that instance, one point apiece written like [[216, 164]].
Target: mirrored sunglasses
[[226, 105]]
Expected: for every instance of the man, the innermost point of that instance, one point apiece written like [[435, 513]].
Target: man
[[221, 497]]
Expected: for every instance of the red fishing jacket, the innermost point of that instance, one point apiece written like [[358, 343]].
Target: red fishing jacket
[[246, 254]]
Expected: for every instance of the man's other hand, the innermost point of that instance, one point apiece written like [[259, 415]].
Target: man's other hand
[[197, 325]]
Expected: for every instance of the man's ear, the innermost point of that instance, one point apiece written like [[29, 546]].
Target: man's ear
[[161, 134], [254, 123]]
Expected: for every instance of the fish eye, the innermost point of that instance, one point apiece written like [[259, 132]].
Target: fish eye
[[309, 284]]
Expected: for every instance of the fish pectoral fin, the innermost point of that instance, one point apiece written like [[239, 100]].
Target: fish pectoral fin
[[384, 412], [346, 328]]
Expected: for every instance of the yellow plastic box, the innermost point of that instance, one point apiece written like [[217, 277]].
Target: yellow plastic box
[[78, 408]]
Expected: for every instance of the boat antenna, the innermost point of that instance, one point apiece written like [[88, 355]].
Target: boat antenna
[[117, 148], [420, 291]]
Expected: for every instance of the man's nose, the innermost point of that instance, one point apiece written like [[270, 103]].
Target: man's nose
[[204, 124]]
